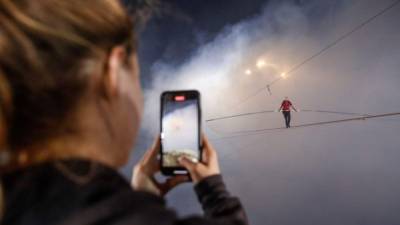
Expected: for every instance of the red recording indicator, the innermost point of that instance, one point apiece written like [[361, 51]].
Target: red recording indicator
[[180, 98]]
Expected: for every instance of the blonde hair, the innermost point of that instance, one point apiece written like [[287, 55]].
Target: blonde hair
[[42, 46]]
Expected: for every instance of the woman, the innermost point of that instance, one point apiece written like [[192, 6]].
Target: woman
[[71, 106]]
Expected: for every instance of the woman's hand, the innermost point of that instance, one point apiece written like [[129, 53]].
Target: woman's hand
[[208, 167], [143, 173]]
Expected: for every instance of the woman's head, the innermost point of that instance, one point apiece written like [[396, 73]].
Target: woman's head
[[66, 64]]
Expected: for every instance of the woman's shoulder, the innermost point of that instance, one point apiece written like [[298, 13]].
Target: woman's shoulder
[[80, 192]]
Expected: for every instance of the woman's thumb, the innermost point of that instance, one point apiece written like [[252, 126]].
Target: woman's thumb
[[187, 163]]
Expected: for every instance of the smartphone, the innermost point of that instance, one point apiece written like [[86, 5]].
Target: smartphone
[[180, 127]]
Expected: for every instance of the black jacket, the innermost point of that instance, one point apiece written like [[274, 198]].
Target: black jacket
[[81, 192]]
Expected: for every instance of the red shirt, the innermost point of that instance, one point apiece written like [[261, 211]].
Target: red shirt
[[286, 105]]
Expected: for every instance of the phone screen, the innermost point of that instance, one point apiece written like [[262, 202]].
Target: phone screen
[[180, 125]]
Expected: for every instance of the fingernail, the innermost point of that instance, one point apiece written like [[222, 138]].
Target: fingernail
[[194, 160]]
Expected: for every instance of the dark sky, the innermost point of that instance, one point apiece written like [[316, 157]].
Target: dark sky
[[180, 26]]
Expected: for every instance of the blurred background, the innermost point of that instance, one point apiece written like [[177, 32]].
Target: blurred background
[[334, 59]]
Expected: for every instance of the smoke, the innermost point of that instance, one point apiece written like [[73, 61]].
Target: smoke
[[275, 40], [179, 136], [337, 174], [209, 71]]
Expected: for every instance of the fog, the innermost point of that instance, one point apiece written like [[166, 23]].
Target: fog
[[180, 129], [345, 173]]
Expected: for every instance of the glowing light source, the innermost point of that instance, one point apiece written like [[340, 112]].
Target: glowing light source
[[248, 72], [179, 98], [260, 63], [284, 75]]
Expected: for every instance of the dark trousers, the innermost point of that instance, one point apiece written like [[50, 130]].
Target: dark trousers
[[286, 115]]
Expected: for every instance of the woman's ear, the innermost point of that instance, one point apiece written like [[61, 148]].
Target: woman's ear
[[114, 64]]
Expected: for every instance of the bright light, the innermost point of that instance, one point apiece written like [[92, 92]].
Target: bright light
[[284, 75], [248, 72], [260, 63]]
